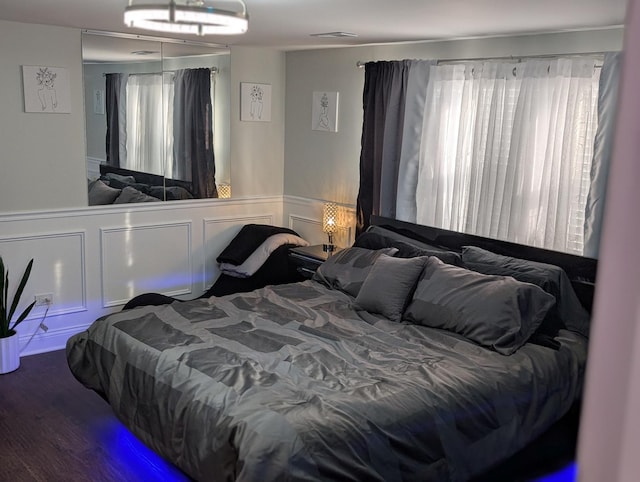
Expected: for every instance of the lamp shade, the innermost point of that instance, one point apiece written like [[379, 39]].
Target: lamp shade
[[330, 218], [224, 190]]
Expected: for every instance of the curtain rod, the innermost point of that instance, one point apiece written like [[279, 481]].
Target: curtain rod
[[360, 64]]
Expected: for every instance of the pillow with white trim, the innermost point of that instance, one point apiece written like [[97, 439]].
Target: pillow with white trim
[[260, 255]]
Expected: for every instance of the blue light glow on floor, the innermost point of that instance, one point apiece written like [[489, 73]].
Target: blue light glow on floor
[[144, 464], [135, 458], [568, 474]]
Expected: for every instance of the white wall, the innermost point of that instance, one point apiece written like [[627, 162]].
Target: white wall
[[610, 430], [42, 155], [257, 148], [324, 165]]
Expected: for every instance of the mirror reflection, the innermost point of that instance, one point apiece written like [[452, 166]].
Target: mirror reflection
[[157, 120]]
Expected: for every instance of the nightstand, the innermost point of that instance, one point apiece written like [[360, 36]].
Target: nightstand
[[308, 258]]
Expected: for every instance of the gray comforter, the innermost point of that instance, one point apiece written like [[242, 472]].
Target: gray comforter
[[290, 382]]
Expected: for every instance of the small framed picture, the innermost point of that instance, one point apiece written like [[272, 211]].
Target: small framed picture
[[98, 101], [46, 89], [255, 102], [324, 111]]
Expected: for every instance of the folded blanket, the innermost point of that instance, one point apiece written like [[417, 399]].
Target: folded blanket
[[250, 237], [260, 255]]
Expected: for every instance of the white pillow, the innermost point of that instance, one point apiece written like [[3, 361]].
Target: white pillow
[[260, 255]]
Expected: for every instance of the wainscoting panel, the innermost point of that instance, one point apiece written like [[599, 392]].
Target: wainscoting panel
[[58, 270], [304, 216], [161, 251], [218, 233], [308, 228], [95, 259]]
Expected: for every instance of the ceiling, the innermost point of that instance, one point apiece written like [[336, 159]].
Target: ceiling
[[288, 24]]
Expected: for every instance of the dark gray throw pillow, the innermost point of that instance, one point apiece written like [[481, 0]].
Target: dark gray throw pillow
[[347, 269], [100, 193], [498, 312], [120, 177], [388, 286], [444, 254], [131, 195], [406, 248], [567, 313]]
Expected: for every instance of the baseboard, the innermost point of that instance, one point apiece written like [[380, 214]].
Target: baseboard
[[50, 340]]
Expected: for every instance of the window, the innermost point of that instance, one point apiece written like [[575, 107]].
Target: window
[[506, 150], [145, 124]]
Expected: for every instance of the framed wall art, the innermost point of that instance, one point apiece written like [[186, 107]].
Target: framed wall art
[[324, 111], [255, 102], [46, 89]]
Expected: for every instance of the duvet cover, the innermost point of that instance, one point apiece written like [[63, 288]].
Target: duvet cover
[[294, 382]]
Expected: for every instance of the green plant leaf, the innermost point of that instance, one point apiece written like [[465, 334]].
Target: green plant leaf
[[2, 295], [7, 313], [5, 302], [24, 314], [23, 283]]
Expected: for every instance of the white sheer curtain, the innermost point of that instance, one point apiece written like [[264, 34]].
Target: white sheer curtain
[[168, 87], [506, 150], [145, 121]]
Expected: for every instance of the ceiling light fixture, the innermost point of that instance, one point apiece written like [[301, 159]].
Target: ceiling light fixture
[[187, 17]]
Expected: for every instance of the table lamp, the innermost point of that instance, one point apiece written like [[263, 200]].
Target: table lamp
[[329, 224]]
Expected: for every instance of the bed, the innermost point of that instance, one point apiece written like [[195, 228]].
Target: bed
[[366, 372]]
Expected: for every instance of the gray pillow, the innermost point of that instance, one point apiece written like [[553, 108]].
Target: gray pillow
[[347, 269], [373, 240], [132, 195], [568, 312], [497, 312], [399, 241], [120, 177], [388, 286], [100, 193]]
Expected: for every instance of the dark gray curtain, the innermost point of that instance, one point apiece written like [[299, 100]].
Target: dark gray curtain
[[113, 101], [385, 89], [603, 146], [193, 132]]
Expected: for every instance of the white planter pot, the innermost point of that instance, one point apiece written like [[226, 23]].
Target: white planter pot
[[9, 354]]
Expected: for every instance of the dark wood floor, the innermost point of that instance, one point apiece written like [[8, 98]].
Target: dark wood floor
[[54, 429]]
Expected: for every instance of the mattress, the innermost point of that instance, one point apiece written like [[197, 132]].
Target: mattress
[[293, 382]]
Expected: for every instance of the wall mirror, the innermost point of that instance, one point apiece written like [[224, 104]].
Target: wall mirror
[[157, 119]]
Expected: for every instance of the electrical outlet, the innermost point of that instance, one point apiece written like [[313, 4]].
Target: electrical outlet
[[45, 299]]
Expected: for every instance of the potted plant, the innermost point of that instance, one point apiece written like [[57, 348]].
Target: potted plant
[[9, 346]]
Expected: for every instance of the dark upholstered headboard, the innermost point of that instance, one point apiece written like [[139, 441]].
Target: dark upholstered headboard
[[581, 271], [145, 177]]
